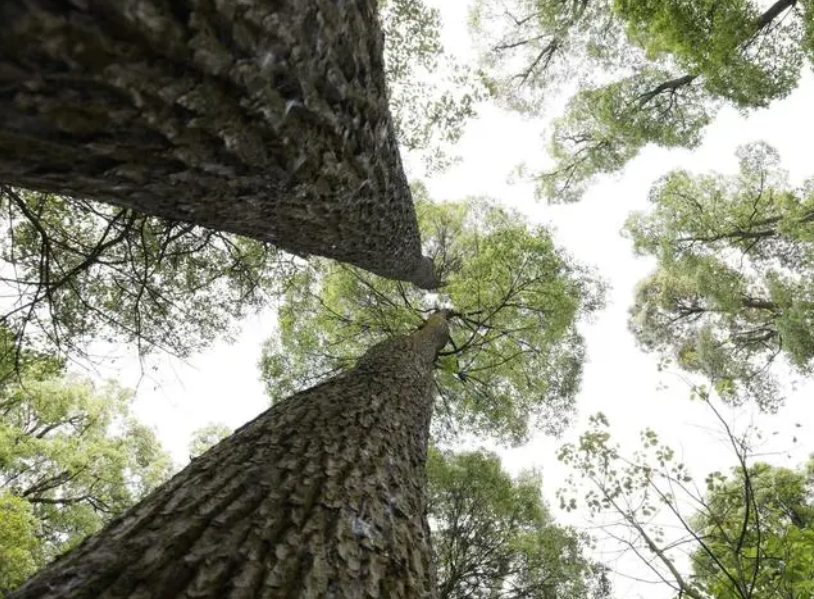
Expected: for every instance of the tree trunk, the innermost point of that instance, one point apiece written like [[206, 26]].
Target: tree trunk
[[264, 118], [321, 496], [774, 11]]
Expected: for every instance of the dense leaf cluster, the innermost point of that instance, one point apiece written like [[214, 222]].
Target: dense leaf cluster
[[649, 72], [733, 287], [72, 456], [515, 359]]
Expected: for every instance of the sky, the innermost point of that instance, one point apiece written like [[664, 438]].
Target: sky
[[222, 384], [619, 380]]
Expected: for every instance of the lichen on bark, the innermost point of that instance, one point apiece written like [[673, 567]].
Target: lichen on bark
[[266, 119]]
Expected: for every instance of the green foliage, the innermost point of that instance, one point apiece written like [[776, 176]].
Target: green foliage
[[745, 56], [768, 512], [71, 457], [206, 437], [807, 11], [605, 127], [652, 71], [747, 534], [81, 272], [494, 537], [19, 546], [531, 48], [432, 95], [618, 483], [516, 354], [733, 286]]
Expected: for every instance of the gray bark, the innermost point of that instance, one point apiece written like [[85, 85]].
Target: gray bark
[[774, 11], [321, 496], [263, 118]]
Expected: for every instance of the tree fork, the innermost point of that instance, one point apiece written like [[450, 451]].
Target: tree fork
[[323, 495], [265, 119]]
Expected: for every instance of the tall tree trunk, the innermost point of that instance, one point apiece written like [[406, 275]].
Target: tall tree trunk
[[266, 118], [321, 496]]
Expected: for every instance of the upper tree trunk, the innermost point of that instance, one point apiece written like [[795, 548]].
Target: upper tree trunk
[[774, 11], [321, 496], [267, 118]]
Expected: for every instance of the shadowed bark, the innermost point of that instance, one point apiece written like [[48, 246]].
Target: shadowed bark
[[263, 118], [321, 496]]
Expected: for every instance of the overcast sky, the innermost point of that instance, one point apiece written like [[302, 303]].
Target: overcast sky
[[222, 384]]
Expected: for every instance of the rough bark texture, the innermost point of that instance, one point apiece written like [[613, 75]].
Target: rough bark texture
[[267, 118], [321, 496]]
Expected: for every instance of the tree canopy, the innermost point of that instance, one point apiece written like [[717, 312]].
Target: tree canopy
[[80, 272], [494, 537], [516, 355], [759, 522], [433, 95], [732, 290], [76, 272], [649, 71], [72, 456], [747, 533]]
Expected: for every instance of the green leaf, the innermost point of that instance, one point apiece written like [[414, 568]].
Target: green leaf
[[637, 72], [733, 288], [72, 456], [516, 355]]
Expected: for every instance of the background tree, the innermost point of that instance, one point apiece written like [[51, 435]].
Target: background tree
[[432, 95], [77, 272], [768, 512], [19, 549], [515, 356], [732, 290], [494, 537], [531, 49], [72, 456], [652, 71], [741, 535], [206, 437]]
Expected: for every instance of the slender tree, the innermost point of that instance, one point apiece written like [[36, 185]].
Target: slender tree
[[269, 121], [323, 495], [745, 534]]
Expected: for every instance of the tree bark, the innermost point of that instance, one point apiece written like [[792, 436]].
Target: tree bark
[[774, 11], [263, 118], [321, 496]]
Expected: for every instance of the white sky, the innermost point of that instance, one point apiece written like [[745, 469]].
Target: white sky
[[619, 380], [222, 384]]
